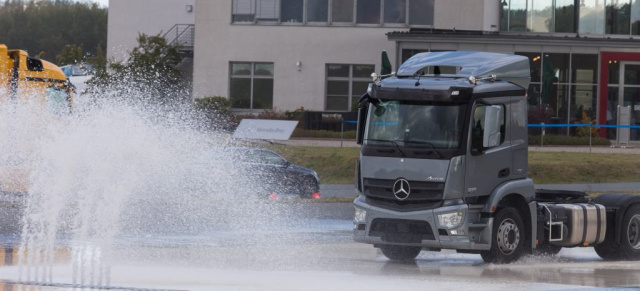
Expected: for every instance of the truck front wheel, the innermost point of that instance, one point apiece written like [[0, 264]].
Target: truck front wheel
[[508, 238], [400, 253]]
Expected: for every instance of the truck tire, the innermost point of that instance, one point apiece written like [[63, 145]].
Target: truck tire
[[608, 250], [630, 234], [508, 239], [629, 246], [400, 253]]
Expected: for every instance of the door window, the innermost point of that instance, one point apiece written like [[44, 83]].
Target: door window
[[478, 126]]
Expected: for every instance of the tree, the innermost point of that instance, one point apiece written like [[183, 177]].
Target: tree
[[71, 54], [150, 70], [48, 26]]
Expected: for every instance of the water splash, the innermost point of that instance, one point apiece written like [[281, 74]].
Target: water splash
[[115, 165]]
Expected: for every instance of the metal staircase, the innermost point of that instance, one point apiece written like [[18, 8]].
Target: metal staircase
[[182, 35]]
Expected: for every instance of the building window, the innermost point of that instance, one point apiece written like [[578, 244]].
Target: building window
[[292, 11], [591, 17], [617, 17], [563, 88], [565, 16], [368, 12], [517, 16], [421, 12], [318, 10], [395, 11], [540, 16], [244, 10], [345, 84], [342, 11], [251, 85]]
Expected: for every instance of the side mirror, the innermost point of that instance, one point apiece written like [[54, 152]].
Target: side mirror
[[362, 121], [491, 125], [286, 164]]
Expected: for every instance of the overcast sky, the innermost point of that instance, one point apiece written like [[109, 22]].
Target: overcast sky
[[104, 3]]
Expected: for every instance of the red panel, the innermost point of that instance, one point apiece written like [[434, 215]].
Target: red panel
[[605, 57]]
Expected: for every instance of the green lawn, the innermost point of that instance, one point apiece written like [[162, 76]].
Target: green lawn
[[337, 165]]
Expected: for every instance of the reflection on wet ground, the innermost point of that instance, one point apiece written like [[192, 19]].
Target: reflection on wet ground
[[314, 250]]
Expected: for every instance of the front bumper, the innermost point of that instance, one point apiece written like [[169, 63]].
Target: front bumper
[[476, 230]]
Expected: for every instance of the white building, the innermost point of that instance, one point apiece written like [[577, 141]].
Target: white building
[[128, 18], [318, 54]]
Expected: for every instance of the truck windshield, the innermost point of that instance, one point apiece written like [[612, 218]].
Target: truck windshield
[[415, 124]]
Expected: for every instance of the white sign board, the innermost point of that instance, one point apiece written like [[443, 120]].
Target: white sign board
[[624, 118], [265, 129]]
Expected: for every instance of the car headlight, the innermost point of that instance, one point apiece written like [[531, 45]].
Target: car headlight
[[360, 215], [450, 220]]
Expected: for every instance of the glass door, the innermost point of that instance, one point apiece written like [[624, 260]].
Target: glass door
[[629, 94]]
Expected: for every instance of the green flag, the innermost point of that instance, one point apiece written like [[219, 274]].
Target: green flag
[[386, 64]]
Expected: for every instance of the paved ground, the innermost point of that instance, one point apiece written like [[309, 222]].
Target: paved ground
[[303, 246], [166, 244]]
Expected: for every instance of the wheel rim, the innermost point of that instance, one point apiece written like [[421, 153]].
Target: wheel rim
[[633, 231], [508, 236]]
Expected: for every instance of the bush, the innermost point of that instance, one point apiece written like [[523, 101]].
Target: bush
[[584, 131], [540, 114], [534, 140], [299, 132], [214, 104], [217, 111]]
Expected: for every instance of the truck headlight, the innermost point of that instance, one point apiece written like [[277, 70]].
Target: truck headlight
[[360, 215], [450, 220]]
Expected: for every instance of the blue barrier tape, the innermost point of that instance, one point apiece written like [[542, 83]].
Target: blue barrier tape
[[585, 125], [541, 125]]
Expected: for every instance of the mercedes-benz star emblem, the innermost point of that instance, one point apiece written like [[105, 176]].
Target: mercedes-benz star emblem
[[401, 189]]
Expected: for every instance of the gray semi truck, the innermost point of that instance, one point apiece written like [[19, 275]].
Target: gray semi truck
[[443, 165]]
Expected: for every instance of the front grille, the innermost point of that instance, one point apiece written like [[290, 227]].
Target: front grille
[[424, 195], [401, 230]]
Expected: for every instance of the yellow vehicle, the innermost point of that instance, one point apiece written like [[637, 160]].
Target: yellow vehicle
[[23, 77], [27, 80]]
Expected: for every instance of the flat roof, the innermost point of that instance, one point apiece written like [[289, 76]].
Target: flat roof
[[517, 37]]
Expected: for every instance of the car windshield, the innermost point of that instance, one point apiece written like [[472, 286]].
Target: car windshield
[[415, 124], [260, 157]]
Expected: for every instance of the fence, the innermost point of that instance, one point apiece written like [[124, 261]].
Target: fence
[[543, 127]]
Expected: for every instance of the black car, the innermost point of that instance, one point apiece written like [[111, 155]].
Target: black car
[[271, 173]]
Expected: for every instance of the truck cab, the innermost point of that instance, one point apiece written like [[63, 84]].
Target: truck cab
[[28, 83], [443, 162]]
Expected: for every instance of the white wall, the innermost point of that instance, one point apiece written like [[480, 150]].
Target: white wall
[[219, 42], [127, 18], [459, 14]]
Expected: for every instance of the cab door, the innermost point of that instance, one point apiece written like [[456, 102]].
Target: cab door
[[488, 161]]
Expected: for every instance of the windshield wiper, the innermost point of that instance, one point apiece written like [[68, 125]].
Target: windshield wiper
[[391, 141], [424, 143]]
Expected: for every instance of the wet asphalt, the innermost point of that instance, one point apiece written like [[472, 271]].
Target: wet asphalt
[[292, 245]]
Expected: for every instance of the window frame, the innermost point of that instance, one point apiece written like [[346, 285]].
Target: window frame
[[350, 79], [503, 127], [252, 76], [330, 21]]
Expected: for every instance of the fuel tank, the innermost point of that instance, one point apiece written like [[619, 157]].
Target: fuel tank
[[582, 224]]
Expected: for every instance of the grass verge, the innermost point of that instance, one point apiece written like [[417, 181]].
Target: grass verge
[[337, 165], [534, 140], [304, 133]]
